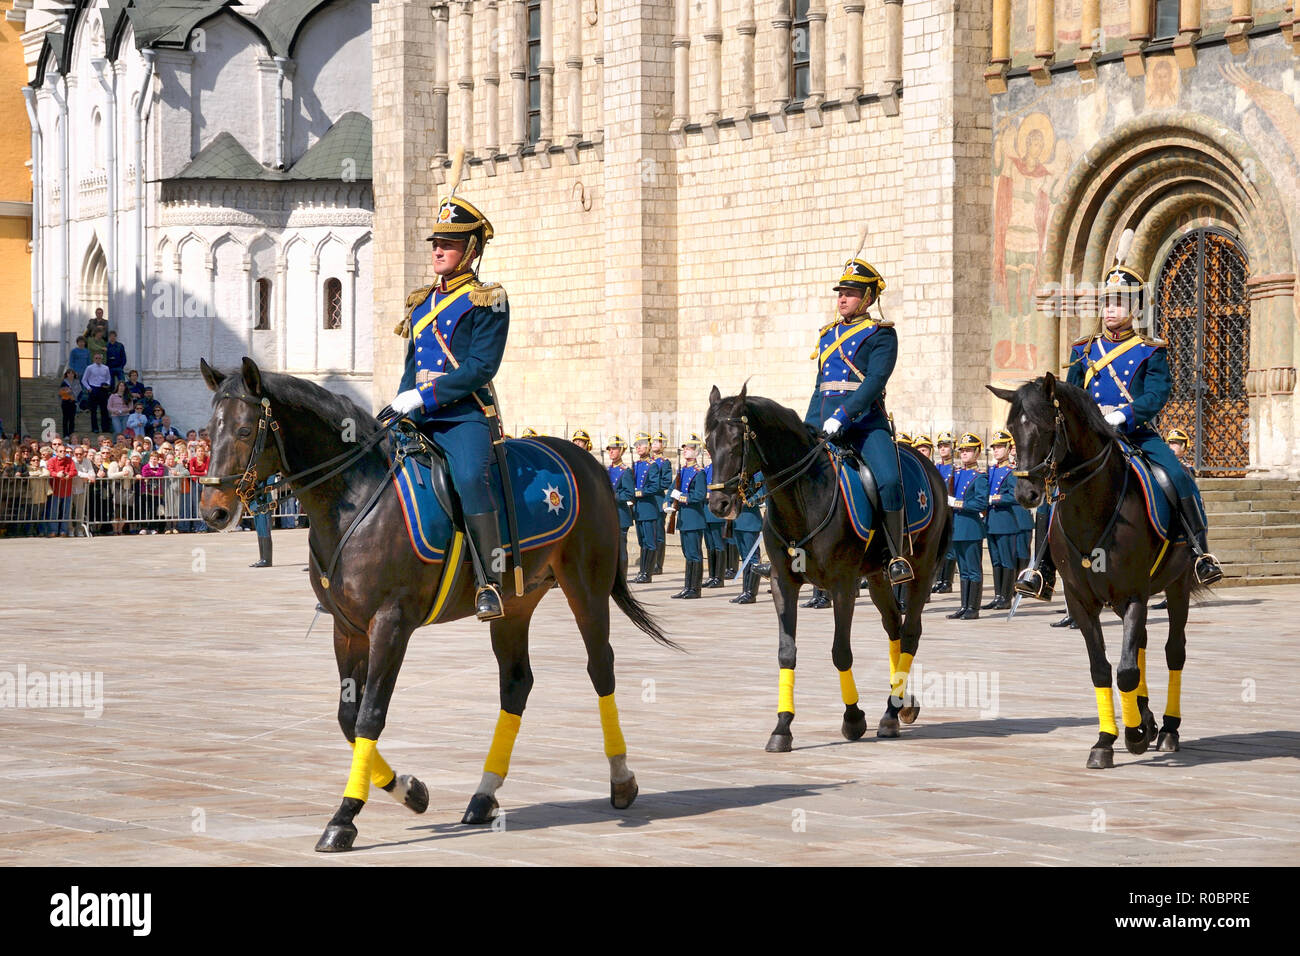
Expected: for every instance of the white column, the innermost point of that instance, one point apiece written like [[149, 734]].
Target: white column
[[573, 62], [681, 66], [713, 37], [441, 83], [492, 84], [816, 62], [519, 76], [466, 81], [781, 20], [853, 11], [546, 79]]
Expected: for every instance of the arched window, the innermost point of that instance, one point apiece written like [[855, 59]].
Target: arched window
[[333, 318], [262, 304], [97, 140], [1164, 17]]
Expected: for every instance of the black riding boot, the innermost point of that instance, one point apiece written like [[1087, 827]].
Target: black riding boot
[[263, 552], [820, 599], [764, 570], [996, 603], [1206, 567], [749, 591], [694, 577], [965, 600], [1163, 605], [485, 542], [944, 584], [972, 613], [659, 553], [643, 573], [1066, 621], [900, 598], [900, 568], [732, 561], [715, 562]]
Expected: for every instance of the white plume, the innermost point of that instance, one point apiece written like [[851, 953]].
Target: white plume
[[1125, 244]]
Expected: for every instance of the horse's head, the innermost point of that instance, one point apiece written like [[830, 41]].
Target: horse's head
[[1035, 422], [242, 450], [724, 437]]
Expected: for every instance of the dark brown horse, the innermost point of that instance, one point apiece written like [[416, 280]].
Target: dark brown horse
[[381, 591], [1106, 551], [809, 538]]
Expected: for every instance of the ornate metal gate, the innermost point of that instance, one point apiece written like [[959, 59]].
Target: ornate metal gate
[[1203, 313]]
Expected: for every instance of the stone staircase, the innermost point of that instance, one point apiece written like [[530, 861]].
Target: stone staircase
[[40, 397], [1254, 529]]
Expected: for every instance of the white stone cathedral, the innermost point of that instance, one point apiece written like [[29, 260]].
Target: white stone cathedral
[[202, 171]]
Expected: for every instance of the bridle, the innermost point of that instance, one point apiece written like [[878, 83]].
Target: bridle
[[1056, 483], [740, 482], [247, 485]]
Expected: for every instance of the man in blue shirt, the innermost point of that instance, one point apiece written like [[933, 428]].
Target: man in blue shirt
[[690, 496], [620, 477], [646, 476], [457, 332], [969, 500]]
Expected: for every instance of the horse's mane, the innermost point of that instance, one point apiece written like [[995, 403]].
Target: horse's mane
[[1033, 402], [764, 412], [308, 398]]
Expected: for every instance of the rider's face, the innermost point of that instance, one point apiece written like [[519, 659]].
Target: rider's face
[[448, 254], [1116, 314], [849, 301]]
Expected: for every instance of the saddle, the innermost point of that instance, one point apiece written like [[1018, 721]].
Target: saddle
[[861, 493], [410, 443], [1159, 493]]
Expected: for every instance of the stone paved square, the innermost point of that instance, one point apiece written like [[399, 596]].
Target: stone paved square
[[217, 743]]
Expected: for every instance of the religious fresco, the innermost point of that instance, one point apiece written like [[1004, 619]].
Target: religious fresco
[[1040, 133]]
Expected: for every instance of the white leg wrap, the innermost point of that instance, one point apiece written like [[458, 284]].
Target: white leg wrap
[[490, 783], [618, 770], [401, 787]]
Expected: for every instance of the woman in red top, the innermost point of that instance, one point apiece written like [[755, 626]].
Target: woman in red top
[[198, 468]]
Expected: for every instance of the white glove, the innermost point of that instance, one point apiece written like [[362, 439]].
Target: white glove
[[952, 502], [1116, 418], [831, 426], [678, 496], [668, 509], [407, 402]]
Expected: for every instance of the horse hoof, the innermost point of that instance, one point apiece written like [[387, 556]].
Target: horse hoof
[[780, 744], [417, 794], [337, 838], [1167, 742], [623, 795], [854, 729], [1138, 744], [888, 728], [482, 809], [908, 713], [1101, 758]]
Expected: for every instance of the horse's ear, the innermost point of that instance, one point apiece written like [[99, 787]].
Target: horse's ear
[[744, 390], [1006, 394], [252, 376], [1049, 386], [211, 375], [714, 396]]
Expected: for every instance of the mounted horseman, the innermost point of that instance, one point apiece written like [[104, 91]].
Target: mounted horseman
[[457, 331]]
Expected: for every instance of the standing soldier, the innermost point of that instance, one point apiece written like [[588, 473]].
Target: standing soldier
[[1025, 521], [969, 500], [582, 440], [943, 580], [645, 495], [657, 445], [691, 494], [1003, 528], [748, 525], [923, 445], [620, 476], [713, 542], [457, 336]]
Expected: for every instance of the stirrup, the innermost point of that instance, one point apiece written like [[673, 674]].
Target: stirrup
[[900, 570], [1207, 569], [1031, 583], [487, 603]]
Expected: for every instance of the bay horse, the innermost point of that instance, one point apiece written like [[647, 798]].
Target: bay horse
[[381, 591], [808, 536], [1106, 551]]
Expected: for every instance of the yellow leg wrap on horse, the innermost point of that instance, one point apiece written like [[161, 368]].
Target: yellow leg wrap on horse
[[1142, 672], [381, 775], [895, 648], [785, 696], [898, 680], [1106, 711], [1173, 706], [614, 743], [1128, 705], [363, 753], [503, 744], [848, 689]]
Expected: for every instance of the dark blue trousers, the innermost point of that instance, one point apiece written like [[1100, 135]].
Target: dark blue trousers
[[970, 557], [1002, 549], [468, 446]]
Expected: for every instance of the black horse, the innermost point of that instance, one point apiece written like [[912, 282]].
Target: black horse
[[809, 538], [1106, 551], [381, 591]]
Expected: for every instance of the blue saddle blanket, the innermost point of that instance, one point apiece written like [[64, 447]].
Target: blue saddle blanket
[[918, 506], [1159, 509], [545, 494]]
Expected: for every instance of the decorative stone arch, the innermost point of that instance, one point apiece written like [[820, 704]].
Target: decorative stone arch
[[93, 289], [1149, 175], [330, 236]]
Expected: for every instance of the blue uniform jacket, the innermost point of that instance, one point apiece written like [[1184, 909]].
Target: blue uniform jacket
[[751, 516], [709, 516], [665, 480], [476, 335], [861, 362], [693, 483], [646, 489], [1002, 501], [620, 476], [971, 489], [1136, 382]]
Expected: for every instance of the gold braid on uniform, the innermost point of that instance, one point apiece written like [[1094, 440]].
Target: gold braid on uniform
[[403, 328], [487, 294]]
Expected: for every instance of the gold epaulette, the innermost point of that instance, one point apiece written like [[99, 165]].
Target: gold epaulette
[[1154, 342], [885, 323], [403, 328], [1083, 341], [487, 294]]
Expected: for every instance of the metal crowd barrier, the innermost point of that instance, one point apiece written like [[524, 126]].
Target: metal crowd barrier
[[29, 507]]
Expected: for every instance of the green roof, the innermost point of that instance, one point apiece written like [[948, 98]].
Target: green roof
[[170, 22], [343, 152], [224, 158], [280, 21]]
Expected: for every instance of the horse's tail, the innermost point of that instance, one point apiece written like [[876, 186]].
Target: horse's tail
[[636, 611]]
